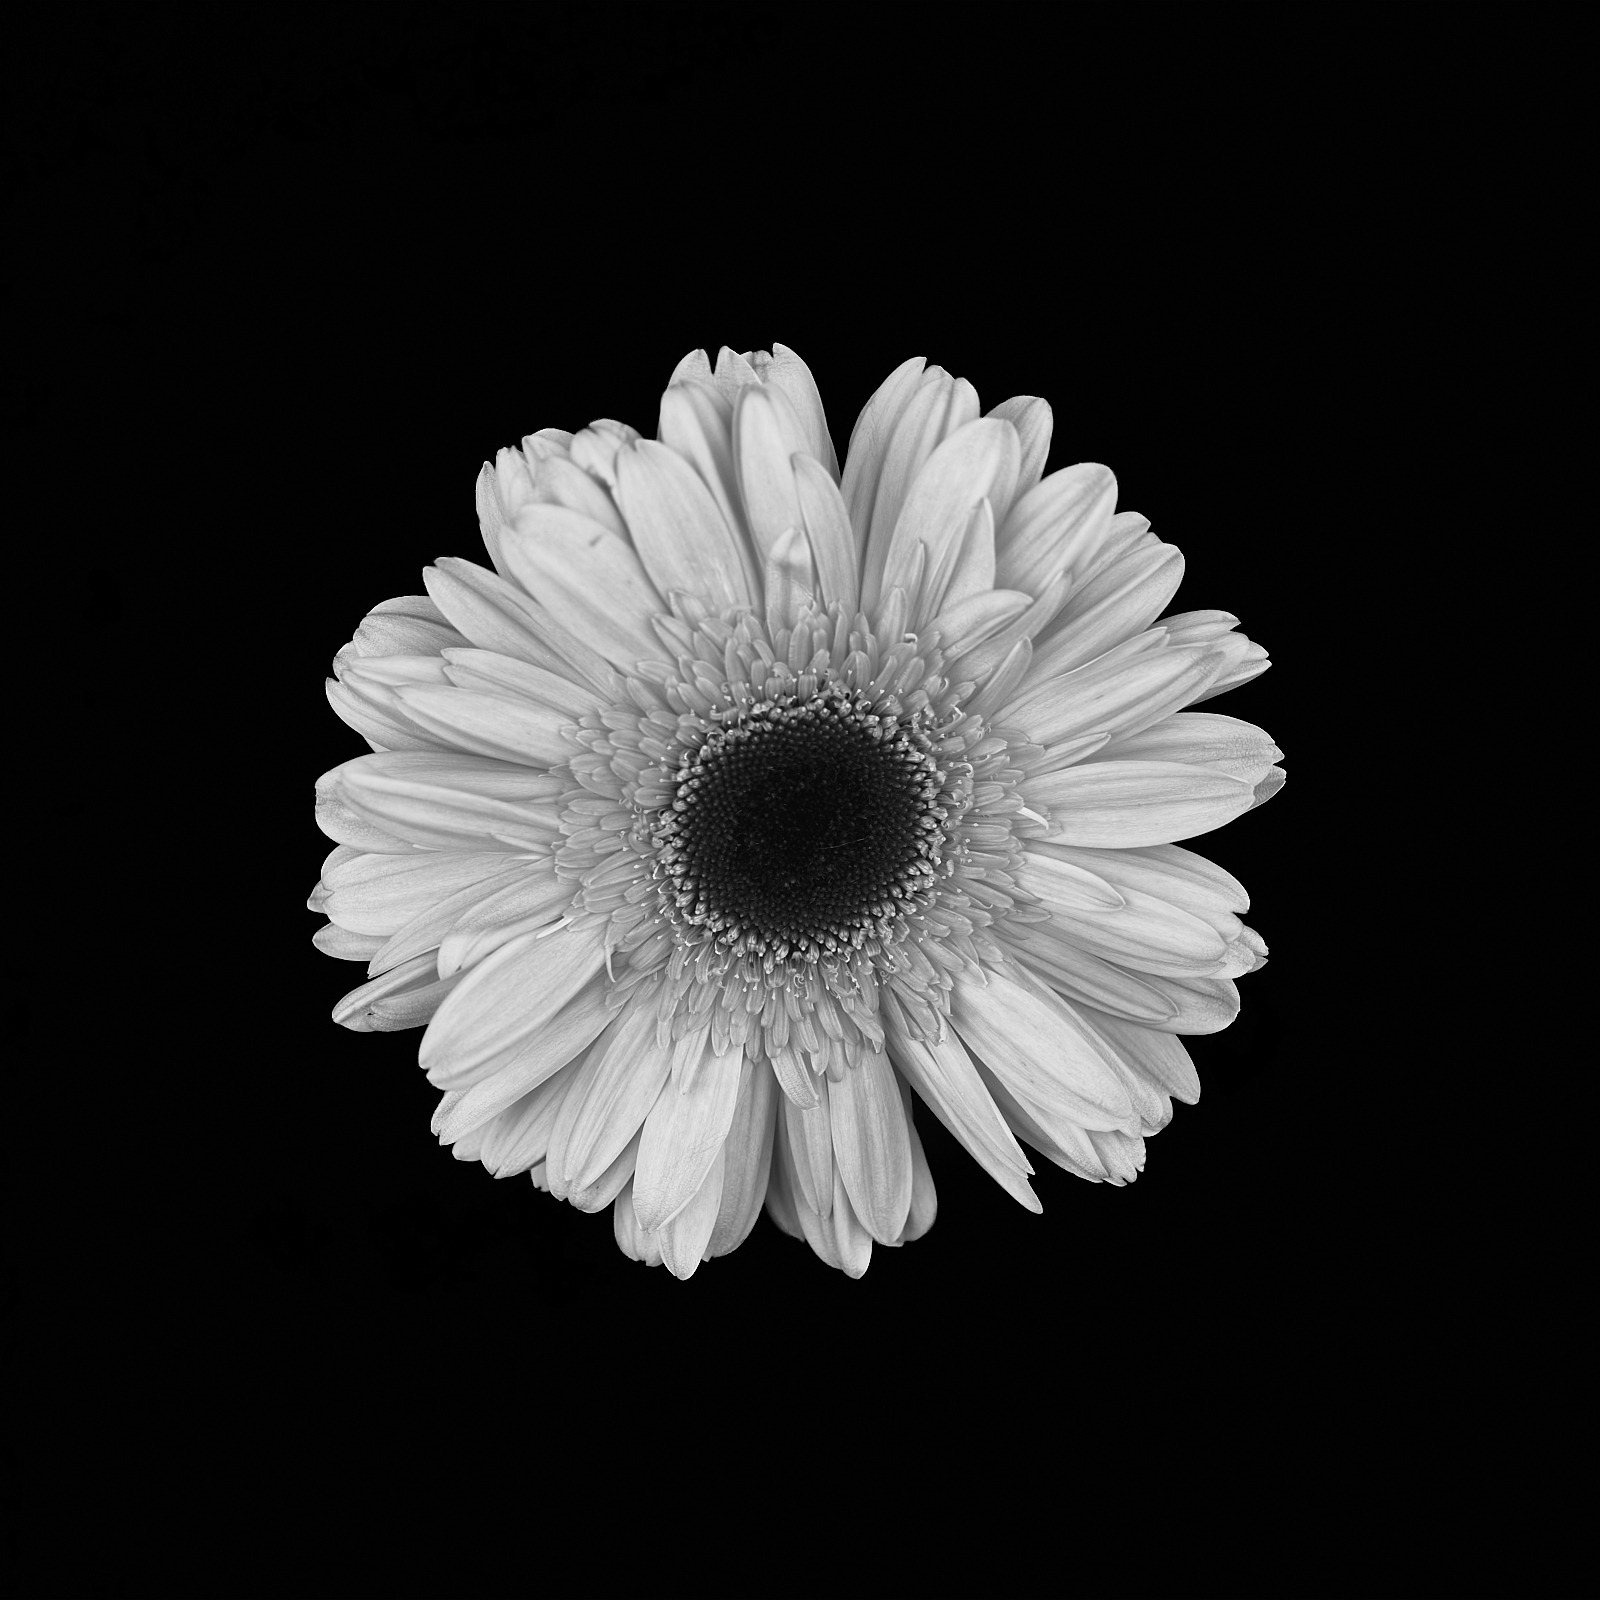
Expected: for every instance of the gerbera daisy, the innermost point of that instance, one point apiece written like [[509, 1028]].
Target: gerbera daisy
[[745, 806]]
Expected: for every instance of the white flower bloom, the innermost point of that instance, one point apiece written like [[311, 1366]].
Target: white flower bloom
[[744, 805]]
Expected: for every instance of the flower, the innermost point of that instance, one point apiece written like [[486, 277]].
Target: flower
[[746, 805]]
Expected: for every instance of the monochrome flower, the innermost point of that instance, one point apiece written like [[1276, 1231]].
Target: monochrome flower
[[747, 807]]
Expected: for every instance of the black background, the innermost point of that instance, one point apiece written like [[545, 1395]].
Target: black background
[[295, 285]]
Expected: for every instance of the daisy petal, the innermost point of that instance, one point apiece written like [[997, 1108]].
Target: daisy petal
[[495, 615], [682, 1136], [1059, 525], [685, 1237], [827, 525], [975, 462], [1112, 804], [683, 541], [1158, 1057], [747, 1162], [766, 433], [870, 1145], [1035, 1044], [507, 998], [1116, 604], [341, 943], [531, 900], [943, 1075], [491, 725], [810, 1136], [1035, 423], [1122, 697], [1145, 933], [1203, 738], [552, 1050], [451, 801], [611, 1097], [404, 998], [696, 423], [1085, 979], [382, 893], [631, 1239], [587, 576]]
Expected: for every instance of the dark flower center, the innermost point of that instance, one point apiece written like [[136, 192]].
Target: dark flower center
[[805, 826]]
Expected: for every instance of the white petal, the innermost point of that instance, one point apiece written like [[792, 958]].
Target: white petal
[[1036, 1045], [1059, 525], [1048, 949], [974, 462], [682, 538], [505, 999], [870, 1145], [766, 433], [685, 1237], [1123, 804], [332, 940], [451, 801], [631, 1239], [531, 901], [1120, 697], [682, 1136], [1035, 423], [496, 615], [382, 893], [407, 997], [1145, 933], [944, 1077], [1203, 738], [613, 1095], [810, 1135], [786, 371], [1114, 605], [494, 673], [869, 443], [747, 1158], [833, 540], [697, 423], [587, 576], [492, 725]]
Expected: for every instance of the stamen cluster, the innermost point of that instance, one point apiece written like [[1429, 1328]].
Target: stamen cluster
[[795, 827]]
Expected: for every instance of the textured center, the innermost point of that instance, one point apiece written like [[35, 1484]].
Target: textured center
[[806, 826]]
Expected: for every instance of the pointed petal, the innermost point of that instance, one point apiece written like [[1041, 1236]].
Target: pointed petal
[[1145, 933], [1035, 423], [789, 581], [382, 893], [526, 904], [450, 800], [404, 998], [682, 1136], [1159, 1058], [869, 444], [976, 461], [766, 433], [684, 542], [810, 1136], [747, 1156], [494, 614], [870, 1145], [944, 1077], [786, 371], [1125, 804], [685, 1237], [1114, 605], [611, 1099], [1122, 697], [697, 423], [1035, 1044], [1202, 738], [1059, 525], [827, 525], [332, 940], [492, 725], [588, 577], [508, 997], [1049, 951]]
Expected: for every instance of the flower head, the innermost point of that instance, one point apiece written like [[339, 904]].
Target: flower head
[[744, 806]]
